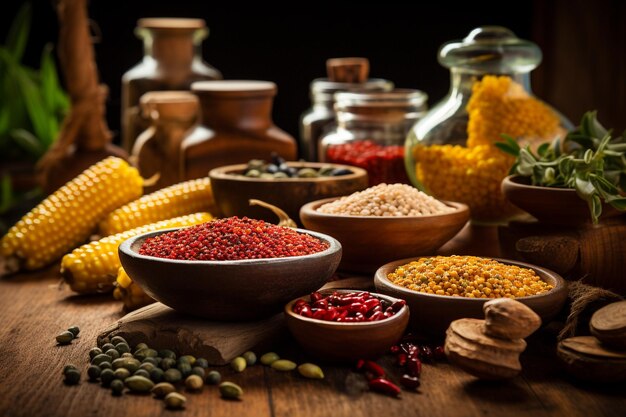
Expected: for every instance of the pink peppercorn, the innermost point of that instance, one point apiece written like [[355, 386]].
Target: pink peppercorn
[[230, 239]]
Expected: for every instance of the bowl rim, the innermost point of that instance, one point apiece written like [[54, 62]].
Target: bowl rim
[[363, 324], [224, 173], [513, 181], [311, 210], [125, 248], [381, 276]]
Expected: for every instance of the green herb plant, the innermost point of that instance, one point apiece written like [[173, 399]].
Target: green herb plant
[[590, 160], [32, 105]]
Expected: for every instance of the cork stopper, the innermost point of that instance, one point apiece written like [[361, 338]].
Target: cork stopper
[[348, 70]]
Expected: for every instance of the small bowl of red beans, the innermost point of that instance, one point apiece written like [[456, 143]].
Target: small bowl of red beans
[[230, 269], [346, 325]]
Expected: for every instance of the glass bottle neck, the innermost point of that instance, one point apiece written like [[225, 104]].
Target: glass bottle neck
[[461, 82]]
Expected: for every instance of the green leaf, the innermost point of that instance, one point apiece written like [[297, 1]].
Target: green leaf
[[18, 33], [35, 107], [618, 202], [28, 142], [543, 149], [584, 188], [596, 208], [595, 128]]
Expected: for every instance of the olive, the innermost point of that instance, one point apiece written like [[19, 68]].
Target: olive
[[341, 171]]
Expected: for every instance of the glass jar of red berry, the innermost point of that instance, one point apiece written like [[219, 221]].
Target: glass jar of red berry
[[370, 132]]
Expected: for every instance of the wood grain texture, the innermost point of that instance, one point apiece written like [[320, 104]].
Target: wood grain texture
[[34, 310]]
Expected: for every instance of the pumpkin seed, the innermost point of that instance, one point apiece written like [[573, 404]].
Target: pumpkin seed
[[65, 338], [140, 384], [238, 364], [231, 390], [269, 358], [284, 365], [175, 401], [213, 378], [161, 389], [310, 370], [250, 358], [194, 382]]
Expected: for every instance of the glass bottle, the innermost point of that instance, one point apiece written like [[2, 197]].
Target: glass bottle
[[320, 118], [451, 152], [235, 126], [370, 132], [172, 61], [158, 149]]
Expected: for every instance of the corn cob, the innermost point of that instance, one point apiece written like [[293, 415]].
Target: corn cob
[[67, 217], [93, 267], [177, 200], [129, 292]]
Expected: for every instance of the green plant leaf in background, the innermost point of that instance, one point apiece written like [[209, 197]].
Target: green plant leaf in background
[[18, 33]]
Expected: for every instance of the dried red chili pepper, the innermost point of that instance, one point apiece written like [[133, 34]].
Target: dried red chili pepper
[[384, 386]]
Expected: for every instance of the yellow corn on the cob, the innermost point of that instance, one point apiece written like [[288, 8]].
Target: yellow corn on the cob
[[93, 267], [177, 200], [130, 293], [66, 218]]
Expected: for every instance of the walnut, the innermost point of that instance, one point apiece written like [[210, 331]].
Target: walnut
[[509, 319]]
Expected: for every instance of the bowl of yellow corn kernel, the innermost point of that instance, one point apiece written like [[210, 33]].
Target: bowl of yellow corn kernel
[[441, 289]]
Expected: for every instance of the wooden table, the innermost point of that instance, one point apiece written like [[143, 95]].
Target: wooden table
[[34, 309]]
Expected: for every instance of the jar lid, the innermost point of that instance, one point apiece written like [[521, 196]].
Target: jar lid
[[232, 88], [400, 97], [171, 23], [181, 105], [323, 89], [491, 49]]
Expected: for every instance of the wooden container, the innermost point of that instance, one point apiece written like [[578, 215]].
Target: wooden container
[[236, 126], [157, 149]]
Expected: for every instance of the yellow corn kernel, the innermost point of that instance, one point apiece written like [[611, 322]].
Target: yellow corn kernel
[[177, 200], [93, 267], [66, 218], [130, 293]]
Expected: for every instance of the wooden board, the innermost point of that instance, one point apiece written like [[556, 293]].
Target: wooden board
[[218, 342]]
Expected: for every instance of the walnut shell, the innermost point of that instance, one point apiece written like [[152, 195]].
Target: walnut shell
[[509, 319], [469, 348]]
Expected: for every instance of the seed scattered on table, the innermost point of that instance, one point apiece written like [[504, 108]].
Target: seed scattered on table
[[231, 390], [175, 401]]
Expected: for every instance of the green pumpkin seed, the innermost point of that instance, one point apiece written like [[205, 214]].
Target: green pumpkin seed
[[202, 363], [284, 365], [194, 383], [143, 373], [105, 365], [93, 352], [213, 378], [156, 375], [147, 366], [250, 358], [307, 173], [172, 375], [166, 353], [106, 376], [107, 346], [126, 355], [146, 353], [113, 353], [161, 389], [68, 367], [140, 346], [140, 384], [187, 358], [103, 357], [93, 372], [115, 340], [310, 370], [131, 364], [72, 377], [184, 368], [238, 364], [175, 401], [196, 370], [74, 330], [117, 387], [231, 390], [168, 363], [65, 338], [122, 373], [122, 348], [269, 358]]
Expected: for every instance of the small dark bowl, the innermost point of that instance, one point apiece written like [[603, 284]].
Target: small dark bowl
[[344, 342], [229, 290], [232, 192], [551, 205], [431, 314]]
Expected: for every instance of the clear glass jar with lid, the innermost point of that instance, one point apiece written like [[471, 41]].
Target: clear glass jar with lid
[[451, 152], [370, 131]]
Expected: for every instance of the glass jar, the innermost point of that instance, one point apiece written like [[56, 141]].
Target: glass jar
[[235, 126], [158, 149], [370, 132], [451, 152], [172, 61]]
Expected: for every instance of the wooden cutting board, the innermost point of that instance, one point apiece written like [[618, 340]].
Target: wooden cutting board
[[219, 342]]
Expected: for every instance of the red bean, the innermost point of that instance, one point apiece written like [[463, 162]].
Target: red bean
[[344, 307], [401, 359], [397, 305], [414, 366], [411, 382], [440, 353], [371, 303], [384, 386], [377, 316], [316, 296], [374, 368], [306, 311]]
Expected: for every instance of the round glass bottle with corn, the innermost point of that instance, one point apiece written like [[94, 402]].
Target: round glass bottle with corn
[[451, 152]]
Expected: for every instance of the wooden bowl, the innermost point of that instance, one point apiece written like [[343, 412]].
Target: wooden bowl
[[431, 314], [232, 192], [344, 342], [551, 205], [369, 242], [228, 290]]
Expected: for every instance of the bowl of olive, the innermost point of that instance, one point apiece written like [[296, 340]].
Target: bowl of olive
[[288, 185]]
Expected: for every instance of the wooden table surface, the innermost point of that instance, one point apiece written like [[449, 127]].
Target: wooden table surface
[[34, 309]]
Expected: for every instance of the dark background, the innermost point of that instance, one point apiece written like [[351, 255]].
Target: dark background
[[584, 45]]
